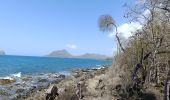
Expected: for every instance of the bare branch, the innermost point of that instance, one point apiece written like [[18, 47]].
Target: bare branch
[[107, 24]]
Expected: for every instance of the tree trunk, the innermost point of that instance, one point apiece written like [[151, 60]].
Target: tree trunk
[[157, 75]]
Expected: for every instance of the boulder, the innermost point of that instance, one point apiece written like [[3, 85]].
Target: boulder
[[7, 81], [77, 73], [61, 76], [51, 92]]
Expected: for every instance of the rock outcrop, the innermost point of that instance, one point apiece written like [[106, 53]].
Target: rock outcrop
[[90, 84], [51, 93], [2, 52], [6, 81]]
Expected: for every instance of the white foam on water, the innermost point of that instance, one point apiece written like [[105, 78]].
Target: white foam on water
[[12, 76], [7, 77], [17, 75], [98, 67], [66, 73]]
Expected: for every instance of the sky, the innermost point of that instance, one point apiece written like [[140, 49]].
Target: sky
[[37, 27]]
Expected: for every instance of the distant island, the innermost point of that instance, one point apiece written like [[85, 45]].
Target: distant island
[[2, 52], [65, 54]]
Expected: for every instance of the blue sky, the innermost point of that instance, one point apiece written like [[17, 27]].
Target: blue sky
[[37, 27]]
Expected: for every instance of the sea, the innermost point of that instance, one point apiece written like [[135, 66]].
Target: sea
[[27, 65], [39, 72]]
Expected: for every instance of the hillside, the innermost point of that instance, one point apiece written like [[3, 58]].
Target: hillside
[[65, 54], [92, 55], [60, 53]]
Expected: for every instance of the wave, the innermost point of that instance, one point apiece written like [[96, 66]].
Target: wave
[[98, 67], [12, 76], [7, 77], [16, 75]]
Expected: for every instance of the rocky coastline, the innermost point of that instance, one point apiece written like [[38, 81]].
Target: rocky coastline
[[35, 87], [13, 88]]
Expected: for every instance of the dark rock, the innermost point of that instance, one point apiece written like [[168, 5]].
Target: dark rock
[[43, 80], [3, 92], [51, 93], [118, 87], [43, 85], [74, 97], [19, 90], [85, 70], [61, 76]]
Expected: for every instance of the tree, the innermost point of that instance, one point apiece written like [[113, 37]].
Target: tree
[[107, 24], [149, 48]]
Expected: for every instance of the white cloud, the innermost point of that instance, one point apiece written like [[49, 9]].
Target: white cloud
[[72, 46], [126, 30]]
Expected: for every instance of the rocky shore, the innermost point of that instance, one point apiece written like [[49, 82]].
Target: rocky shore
[[81, 83], [14, 87], [86, 84]]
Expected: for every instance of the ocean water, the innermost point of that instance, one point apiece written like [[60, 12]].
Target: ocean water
[[10, 65]]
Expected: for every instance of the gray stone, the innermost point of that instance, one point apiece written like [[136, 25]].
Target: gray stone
[[51, 92]]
